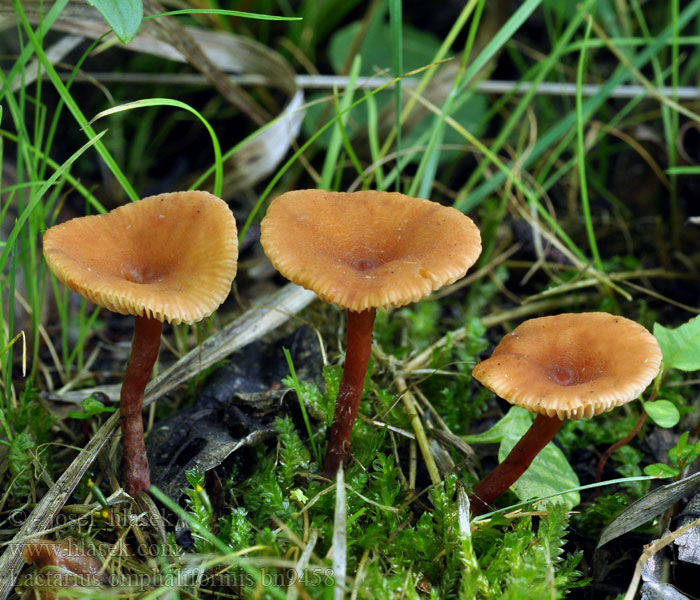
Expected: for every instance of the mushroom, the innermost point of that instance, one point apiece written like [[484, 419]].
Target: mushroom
[[567, 366], [363, 251], [72, 563], [170, 257]]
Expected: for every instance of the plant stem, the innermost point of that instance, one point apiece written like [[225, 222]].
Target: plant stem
[[628, 438], [516, 463], [144, 351], [359, 345], [409, 403]]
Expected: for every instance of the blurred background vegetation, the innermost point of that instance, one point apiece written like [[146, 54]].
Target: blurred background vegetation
[[567, 131]]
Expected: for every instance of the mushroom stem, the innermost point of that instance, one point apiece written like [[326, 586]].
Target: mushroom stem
[[516, 463], [144, 351], [358, 348]]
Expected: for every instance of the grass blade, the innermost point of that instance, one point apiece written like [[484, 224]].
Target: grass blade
[[396, 20], [340, 535], [72, 105], [218, 161], [36, 199], [581, 148]]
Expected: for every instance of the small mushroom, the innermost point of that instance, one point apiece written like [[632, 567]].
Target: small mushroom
[[567, 366], [170, 257], [363, 251], [78, 565]]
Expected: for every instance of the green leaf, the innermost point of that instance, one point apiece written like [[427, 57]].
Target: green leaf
[[123, 16], [518, 419], [549, 473], [661, 470], [680, 346], [663, 412], [675, 454], [91, 406], [419, 47], [682, 454], [690, 454]]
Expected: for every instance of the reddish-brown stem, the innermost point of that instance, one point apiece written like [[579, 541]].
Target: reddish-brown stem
[[616, 446], [623, 442], [515, 464], [144, 351], [359, 345]]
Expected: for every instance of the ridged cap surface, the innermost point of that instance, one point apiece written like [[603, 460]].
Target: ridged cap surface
[[572, 365], [170, 257], [368, 249]]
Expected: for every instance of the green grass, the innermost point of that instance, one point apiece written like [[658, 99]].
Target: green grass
[[583, 203]]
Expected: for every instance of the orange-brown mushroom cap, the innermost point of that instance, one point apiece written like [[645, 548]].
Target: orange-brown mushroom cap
[[170, 257], [368, 249], [572, 365]]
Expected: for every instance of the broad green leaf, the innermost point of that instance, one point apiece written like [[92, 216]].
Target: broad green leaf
[[517, 418], [123, 16], [419, 47], [661, 470], [549, 473], [663, 412], [680, 346]]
